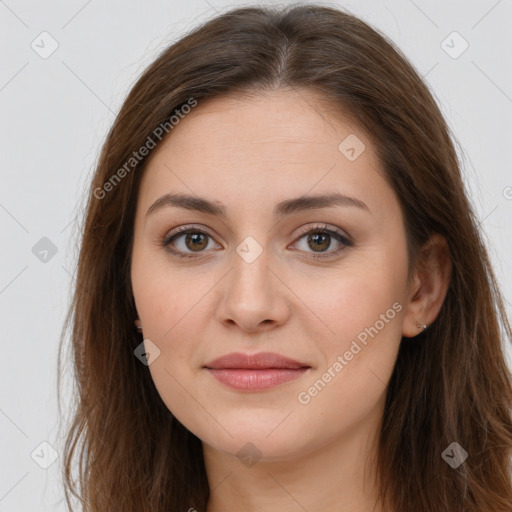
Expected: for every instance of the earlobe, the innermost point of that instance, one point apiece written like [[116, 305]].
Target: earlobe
[[428, 287]]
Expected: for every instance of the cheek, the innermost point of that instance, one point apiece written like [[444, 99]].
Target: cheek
[[361, 312], [175, 307], [358, 359], [167, 295], [366, 323], [173, 314], [352, 299]]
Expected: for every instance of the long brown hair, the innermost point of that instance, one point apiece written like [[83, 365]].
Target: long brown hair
[[451, 384]]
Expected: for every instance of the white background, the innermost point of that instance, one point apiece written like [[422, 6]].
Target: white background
[[55, 113]]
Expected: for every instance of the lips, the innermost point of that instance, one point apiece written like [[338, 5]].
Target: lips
[[255, 372], [261, 361]]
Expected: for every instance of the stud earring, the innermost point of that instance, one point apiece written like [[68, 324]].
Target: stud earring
[[421, 326]]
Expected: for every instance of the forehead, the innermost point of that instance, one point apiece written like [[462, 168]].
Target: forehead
[[281, 117], [268, 145]]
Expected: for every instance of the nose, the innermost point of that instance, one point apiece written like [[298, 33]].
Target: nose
[[252, 296]]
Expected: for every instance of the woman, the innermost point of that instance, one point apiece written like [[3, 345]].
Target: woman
[[283, 301]]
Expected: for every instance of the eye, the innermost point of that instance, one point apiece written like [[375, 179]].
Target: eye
[[184, 242], [190, 242], [319, 240]]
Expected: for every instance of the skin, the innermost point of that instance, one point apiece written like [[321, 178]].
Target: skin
[[250, 153]]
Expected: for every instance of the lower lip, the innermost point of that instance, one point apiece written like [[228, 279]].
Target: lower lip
[[256, 380]]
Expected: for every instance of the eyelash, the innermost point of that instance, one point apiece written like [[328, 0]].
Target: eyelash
[[319, 229]]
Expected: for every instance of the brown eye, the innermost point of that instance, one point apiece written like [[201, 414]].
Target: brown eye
[[189, 243], [196, 241], [319, 242]]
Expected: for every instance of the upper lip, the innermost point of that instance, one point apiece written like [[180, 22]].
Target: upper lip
[[260, 361]]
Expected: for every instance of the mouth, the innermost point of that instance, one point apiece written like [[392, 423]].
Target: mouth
[[255, 372]]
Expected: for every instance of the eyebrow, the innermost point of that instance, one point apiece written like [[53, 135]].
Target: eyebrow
[[203, 205]]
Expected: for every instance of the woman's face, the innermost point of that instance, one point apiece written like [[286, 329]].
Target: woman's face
[[261, 267]]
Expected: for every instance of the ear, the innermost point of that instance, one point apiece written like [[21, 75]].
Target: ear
[[428, 285]]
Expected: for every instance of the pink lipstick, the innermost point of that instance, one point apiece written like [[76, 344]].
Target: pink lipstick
[[255, 372]]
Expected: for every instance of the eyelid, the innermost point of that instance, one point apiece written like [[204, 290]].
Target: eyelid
[[186, 228], [320, 226]]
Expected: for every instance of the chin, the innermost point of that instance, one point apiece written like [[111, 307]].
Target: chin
[[266, 439]]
